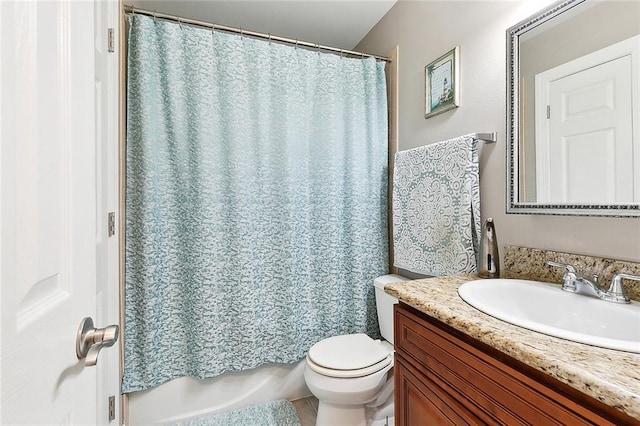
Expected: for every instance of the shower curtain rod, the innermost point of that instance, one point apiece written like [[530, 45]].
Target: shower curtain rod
[[131, 9]]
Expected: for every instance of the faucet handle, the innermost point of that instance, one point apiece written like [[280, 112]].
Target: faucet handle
[[566, 266], [616, 290], [569, 277]]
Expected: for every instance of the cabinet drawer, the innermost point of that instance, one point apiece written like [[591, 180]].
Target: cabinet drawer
[[490, 389]]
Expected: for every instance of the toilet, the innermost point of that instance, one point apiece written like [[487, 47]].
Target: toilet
[[351, 375]]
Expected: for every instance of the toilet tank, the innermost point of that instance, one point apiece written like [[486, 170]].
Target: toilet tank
[[384, 304]]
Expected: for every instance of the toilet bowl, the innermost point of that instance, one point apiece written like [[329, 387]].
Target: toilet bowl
[[351, 375]]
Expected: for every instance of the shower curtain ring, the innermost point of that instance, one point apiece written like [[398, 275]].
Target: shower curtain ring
[[269, 38], [296, 43], [179, 21], [155, 16], [241, 33]]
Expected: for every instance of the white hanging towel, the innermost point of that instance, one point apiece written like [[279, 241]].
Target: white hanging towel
[[436, 208]]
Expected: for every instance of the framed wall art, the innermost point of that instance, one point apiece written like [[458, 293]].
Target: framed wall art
[[441, 84]]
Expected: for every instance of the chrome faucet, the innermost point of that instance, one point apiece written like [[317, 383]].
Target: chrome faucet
[[616, 290], [575, 283]]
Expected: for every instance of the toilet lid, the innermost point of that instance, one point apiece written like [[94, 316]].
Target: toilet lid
[[348, 374], [348, 352]]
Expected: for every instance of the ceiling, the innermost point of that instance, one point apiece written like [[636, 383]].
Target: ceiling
[[336, 23]]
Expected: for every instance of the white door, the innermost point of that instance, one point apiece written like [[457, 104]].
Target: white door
[[106, 136], [590, 133], [585, 147], [51, 178]]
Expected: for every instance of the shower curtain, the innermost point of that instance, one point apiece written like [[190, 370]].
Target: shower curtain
[[256, 200]]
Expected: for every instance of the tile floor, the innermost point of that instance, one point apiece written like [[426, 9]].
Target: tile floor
[[307, 409]]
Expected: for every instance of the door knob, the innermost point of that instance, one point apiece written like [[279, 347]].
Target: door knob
[[90, 340]]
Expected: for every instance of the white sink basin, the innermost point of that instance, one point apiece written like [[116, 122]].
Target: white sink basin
[[547, 309]]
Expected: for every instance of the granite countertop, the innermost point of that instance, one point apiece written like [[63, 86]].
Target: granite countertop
[[610, 376]]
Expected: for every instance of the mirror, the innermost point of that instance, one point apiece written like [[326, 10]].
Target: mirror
[[573, 110]]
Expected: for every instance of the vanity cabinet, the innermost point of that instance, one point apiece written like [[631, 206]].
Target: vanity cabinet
[[443, 376]]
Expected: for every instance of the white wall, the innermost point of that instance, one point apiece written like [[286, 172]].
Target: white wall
[[424, 30]]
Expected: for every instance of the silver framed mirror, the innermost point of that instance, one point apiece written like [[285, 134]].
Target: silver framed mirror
[[573, 110]]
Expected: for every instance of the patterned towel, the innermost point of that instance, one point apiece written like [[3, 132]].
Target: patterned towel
[[272, 413], [436, 208]]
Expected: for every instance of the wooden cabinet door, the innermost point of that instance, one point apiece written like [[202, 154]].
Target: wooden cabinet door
[[446, 377], [419, 401]]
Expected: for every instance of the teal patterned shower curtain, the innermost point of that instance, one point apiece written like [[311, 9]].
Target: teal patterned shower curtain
[[256, 200]]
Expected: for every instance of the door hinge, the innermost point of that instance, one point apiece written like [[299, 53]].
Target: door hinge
[[111, 224], [112, 408], [111, 46], [548, 111]]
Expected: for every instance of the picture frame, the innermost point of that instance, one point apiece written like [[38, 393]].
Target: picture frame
[[441, 84]]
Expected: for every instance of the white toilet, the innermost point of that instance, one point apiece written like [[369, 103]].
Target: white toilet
[[351, 374]]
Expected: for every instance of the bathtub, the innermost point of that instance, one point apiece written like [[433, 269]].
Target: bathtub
[[186, 397]]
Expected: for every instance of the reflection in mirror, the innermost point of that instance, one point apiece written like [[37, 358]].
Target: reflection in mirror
[[573, 110]]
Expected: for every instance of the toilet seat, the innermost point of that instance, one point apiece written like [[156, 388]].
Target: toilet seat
[[349, 356], [349, 374]]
